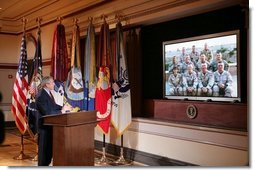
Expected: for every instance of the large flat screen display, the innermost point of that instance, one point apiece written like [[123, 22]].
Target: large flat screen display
[[202, 68]]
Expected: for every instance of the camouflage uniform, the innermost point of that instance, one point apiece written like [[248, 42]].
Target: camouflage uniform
[[214, 66], [198, 68], [190, 80], [175, 84], [208, 54], [223, 78], [182, 57], [184, 67], [178, 65], [194, 56], [205, 80]]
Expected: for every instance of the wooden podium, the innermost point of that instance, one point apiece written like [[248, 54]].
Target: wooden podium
[[73, 138]]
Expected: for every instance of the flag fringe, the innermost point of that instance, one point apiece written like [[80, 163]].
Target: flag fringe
[[119, 133]]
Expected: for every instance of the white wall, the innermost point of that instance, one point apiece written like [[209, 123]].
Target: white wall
[[193, 144]]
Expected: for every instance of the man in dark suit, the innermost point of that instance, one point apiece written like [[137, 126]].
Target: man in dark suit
[[46, 106]]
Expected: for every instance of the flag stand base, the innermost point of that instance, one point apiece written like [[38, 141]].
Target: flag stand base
[[121, 160], [21, 156], [103, 161], [35, 158]]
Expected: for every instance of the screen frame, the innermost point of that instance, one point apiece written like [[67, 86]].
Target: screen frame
[[205, 98]]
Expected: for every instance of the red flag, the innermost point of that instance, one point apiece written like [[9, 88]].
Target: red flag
[[103, 99], [59, 57], [20, 87], [103, 89]]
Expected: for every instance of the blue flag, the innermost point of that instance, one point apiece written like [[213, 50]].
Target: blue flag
[[90, 69], [74, 84]]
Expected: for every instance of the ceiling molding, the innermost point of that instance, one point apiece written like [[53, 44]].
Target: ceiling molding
[[134, 12], [39, 6]]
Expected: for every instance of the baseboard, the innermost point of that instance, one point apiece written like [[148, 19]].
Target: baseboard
[[10, 124], [141, 157]]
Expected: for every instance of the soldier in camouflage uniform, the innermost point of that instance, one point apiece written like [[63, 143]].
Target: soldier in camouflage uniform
[[194, 55], [186, 63], [182, 56], [190, 82], [175, 83], [202, 60], [208, 53], [205, 81], [222, 82], [214, 64], [175, 63]]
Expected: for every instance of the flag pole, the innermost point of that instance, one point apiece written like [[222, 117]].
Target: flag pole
[[35, 137], [104, 159], [21, 155], [121, 160], [38, 20], [119, 69]]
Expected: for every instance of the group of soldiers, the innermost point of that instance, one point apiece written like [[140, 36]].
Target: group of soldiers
[[197, 75]]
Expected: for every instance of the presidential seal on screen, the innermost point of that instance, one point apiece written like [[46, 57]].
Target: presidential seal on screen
[[191, 111]]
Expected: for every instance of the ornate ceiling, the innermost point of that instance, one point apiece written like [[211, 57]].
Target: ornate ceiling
[[133, 11]]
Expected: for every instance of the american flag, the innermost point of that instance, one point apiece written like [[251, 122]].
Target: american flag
[[19, 100]]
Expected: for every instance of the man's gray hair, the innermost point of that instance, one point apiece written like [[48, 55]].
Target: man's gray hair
[[46, 80]]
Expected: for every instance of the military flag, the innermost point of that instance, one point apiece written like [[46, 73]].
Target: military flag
[[121, 98], [59, 63], [90, 69], [20, 88], [74, 84], [59, 56], [103, 88], [34, 86]]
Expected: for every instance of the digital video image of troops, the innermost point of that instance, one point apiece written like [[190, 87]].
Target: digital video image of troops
[[175, 83], [214, 64], [182, 56], [186, 63], [222, 82], [208, 53], [190, 82], [205, 81], [194, 55], [202, 60], [175, 63]]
